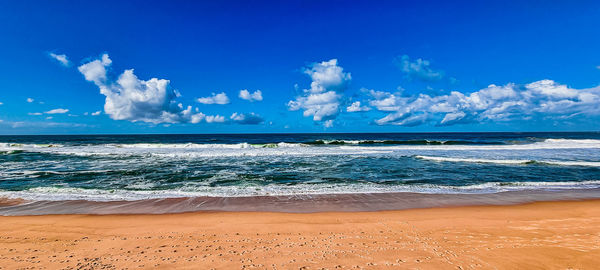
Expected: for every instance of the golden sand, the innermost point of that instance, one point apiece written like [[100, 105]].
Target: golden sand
[[547, 235]]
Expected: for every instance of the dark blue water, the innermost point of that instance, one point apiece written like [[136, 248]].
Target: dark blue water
[[132, 167]]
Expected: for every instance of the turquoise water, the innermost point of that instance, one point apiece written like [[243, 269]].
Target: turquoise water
[[134, 167]]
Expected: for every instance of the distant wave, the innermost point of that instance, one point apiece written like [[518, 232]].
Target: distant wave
[[69, 193], [399, 142], [292, 149], [512, 161], [205, 146]]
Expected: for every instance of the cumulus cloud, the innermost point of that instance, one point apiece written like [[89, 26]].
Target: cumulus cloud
[[356, 107], [220, 99], [215, 119], [30, 100], [246, 119], [544, 98], [130, 98], [246, 95], [322, 99], [418, 69], [60, 58], [96, 113], [57, 111]]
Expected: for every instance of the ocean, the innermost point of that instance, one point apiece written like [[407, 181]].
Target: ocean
[[45, 172]]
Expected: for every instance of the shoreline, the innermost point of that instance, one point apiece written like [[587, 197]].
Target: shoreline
[[352, 202], [547, 235]]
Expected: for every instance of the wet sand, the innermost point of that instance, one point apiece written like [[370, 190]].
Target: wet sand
[[542, 235]]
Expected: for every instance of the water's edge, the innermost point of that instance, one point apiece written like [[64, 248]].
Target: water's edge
[[292, 204]]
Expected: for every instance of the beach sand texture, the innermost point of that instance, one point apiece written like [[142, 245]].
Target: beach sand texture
[[546, 235]]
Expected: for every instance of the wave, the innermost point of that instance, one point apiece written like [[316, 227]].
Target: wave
[[11, 152], [186, 150], [70, 193], [512, 161], [204, 146], [398, 142]]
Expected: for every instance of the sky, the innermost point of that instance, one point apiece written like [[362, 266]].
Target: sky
[[102, 67]]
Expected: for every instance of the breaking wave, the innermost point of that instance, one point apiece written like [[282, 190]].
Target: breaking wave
[[512, 161], [69, 193]]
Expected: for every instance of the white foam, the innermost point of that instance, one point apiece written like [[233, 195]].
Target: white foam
[[190, 150], [511, 161], [543, 145], [450, 159], [69, 193]]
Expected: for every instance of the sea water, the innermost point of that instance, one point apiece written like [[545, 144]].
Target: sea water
[[137, 167]]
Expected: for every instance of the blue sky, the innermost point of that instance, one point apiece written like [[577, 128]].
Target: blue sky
[[411, 66]]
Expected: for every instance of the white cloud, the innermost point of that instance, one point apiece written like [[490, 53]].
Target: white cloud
[[49, 117], [132, 99], [42, 124], [214, 119], [95, 71], [356, 107], [246, 95], [328, 123], [57, 111], [30, 100], [419, 69], [246, 119], [1, 103], [322, 99], [35, 113], [60, 58], [494, 103], [96, 113], [220, 98]]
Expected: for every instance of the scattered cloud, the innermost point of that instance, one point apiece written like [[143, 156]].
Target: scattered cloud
[[220, 99], [215, 119], [35, 113], [42, 124], [246, 119], [96, 113], [418, 69], [132, 99], [328, 123], [57, 111], [30, 100], [246, 95], [322, 99], [1, 103], [544, 98], [60, 58], [356, 107], [49, 117]]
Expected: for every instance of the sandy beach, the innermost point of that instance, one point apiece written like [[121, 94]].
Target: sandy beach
[[543, 235]]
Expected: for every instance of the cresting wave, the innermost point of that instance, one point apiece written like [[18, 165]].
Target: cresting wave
[[67, 193], [332, 147], [512, 161], [398, 142]]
